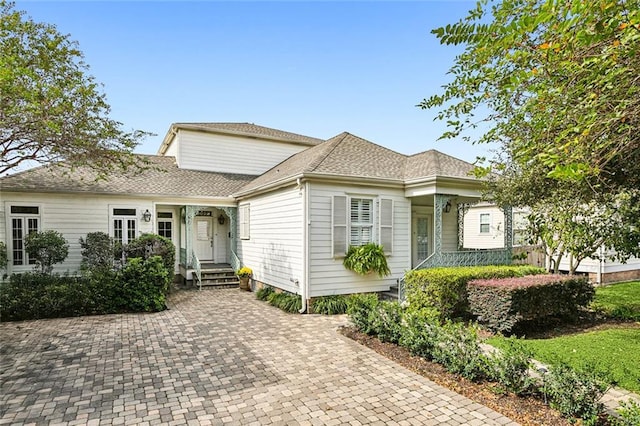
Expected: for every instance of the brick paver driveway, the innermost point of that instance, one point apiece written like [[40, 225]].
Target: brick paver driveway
[[216, 357]]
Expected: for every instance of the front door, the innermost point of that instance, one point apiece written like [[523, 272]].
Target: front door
[[204, 237], [221, 240], [421, 246]]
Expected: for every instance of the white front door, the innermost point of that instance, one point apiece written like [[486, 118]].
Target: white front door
[[421, 241], [221, 241], [203, 244]]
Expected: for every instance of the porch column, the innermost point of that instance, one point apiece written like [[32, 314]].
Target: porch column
[[232, 213], [508, 232], [191, 212], [463, 208], [440, 201]]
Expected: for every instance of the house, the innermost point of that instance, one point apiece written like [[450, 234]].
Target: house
[[484, 228], [284, 204]]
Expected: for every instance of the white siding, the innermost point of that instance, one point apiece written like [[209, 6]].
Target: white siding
[[72, 215], [328, 275], [473, 238], [172, 150], [591, 265], [231, 154], [274, 249]]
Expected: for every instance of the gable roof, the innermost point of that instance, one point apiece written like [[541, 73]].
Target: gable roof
[[241, 129], [349, 156], [163, 177]]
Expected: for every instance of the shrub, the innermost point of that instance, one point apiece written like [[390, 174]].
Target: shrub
[[510, 367], [366, 259], [360, 308], [330, 305], [458, 350], [3, 256], [575, 393], [264, 292], [629, 413], [386, 321], [286, 301], [97, 251], [47, 248], [445, 289], [420, 332], [144, 285], [148, 245], [500, 304]]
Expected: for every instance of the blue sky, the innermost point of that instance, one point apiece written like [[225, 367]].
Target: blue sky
[[315, 68]]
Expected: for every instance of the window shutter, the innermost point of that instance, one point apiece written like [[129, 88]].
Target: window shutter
[[386, 225], [339, 224], [244, 213]]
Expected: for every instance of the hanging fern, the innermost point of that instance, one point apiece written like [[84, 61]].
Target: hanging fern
[[366, 259]]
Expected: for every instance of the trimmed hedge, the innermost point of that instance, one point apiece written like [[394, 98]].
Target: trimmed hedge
[[445, 289], [141, 286], [500, 304]]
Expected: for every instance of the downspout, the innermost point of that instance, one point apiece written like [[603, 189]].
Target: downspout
[[304, 288]]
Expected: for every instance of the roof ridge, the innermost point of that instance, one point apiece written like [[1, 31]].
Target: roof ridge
[[335, 143]]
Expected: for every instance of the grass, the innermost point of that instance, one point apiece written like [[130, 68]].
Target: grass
[[613, 351], [619, 301]]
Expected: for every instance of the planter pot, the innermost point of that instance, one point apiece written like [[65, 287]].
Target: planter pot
[[244, 283]]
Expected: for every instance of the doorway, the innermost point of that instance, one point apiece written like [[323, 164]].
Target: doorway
[[421, 238]]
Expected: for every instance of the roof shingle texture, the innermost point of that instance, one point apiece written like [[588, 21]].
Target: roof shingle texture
[[250, 129], [351, 156], [163, 177]]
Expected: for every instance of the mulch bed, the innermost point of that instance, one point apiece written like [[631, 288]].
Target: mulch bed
[[524, 410]]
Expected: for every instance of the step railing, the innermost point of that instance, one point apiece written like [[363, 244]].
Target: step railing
[[197, 269]]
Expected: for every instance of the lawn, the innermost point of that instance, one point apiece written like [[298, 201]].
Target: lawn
[[613, 349], [621, 301]]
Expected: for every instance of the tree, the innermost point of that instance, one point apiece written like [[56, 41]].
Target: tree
[[51, 109], [558, 84], [47, 248]]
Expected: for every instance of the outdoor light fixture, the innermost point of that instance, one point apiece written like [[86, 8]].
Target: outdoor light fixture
[[447, 207], [221, 219], [146, 216]]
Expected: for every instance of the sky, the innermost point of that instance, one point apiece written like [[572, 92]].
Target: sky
[[314, 68]]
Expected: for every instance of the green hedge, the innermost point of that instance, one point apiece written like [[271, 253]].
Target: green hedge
[[141, 286], [445, 289], [501, 304]]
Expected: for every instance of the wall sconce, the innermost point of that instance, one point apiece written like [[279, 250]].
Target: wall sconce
[[447, 207], [146, 216], [221, 219]]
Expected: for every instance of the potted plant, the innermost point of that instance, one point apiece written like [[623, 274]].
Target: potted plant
[[244, 274], [367, 259]]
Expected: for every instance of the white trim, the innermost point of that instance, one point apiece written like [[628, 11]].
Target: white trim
[[125, 230], [244, 221], [9, 231], [480, 223]]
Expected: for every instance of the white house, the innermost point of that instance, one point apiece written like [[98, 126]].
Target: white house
[[484, 228], [286, 205]]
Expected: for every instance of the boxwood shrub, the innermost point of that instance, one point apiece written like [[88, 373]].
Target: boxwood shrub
[[500, 304], [445, 289]]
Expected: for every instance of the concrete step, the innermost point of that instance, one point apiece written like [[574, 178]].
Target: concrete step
[[391, 294]]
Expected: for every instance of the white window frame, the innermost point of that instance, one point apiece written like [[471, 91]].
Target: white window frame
[[166, 220], [24, 218], [244, 221], [359, 224], [125, 223], [488, 223]]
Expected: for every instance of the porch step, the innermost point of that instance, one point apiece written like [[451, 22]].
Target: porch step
[[219, 278], [391, 294]]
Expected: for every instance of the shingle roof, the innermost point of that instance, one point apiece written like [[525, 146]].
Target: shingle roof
[[163, 177], [347, 155], [250, 129]]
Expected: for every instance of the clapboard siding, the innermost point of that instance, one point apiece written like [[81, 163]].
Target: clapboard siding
[[327, 275], [274, 250], [231, 154], [473, 238], [72, 215]]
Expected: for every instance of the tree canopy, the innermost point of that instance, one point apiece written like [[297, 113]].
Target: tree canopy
[[557, 83], [51, 109]]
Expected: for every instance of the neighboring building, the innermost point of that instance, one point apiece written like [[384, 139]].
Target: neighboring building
[[484, 228], [284, 204]]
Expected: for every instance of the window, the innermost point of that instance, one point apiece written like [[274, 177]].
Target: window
[[165, 224], [485, 223], [357, 221], [125, 223], [244, 213], [24, 221], [361, 224]]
